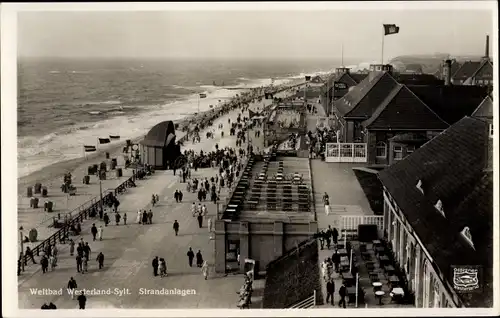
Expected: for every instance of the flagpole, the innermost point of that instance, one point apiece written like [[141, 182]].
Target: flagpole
[[383, 37], [342, 53]]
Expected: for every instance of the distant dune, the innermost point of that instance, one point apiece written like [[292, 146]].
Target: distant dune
[[426, 63]]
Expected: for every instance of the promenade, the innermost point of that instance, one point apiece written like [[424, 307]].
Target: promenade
[[129, 249], [345, 193]]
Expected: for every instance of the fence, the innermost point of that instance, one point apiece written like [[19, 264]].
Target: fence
[[350, 223], [346, 152], [92, 205], [309, 302]]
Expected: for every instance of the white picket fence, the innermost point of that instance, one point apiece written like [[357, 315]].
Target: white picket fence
[[309, 302], [349, 224]]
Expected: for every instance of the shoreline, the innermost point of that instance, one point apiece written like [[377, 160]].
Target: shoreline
[[58, 169]]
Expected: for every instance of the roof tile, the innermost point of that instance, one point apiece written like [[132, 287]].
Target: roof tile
[[466, 191]]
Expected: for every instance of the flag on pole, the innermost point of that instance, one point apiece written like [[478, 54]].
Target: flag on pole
[[203, 95], [89, 148], [104, 140], [251, 113], [390, 29]]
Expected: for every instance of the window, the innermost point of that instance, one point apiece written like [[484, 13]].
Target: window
[[381, 150], [419, 186], [468, 237], [439, 207], [410, 149], [480, 82], [398, 152], [491, 130]]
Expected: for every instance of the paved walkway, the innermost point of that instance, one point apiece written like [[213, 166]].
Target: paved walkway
[[129, 250]]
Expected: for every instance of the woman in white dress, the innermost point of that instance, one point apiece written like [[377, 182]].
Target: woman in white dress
[[139, 217]]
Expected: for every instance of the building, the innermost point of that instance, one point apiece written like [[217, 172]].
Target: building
[[438, 215], [262, 222], [159, 148], [469, 72], [485, 110], [380, 108]]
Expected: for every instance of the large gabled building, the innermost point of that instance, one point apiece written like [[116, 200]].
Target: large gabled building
[[438, 216]]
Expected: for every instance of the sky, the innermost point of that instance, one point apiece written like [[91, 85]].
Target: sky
[[247, 34]]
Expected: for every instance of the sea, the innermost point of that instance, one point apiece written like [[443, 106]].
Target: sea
[[64, 104]]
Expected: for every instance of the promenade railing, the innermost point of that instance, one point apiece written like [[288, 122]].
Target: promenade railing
[[82, 213]]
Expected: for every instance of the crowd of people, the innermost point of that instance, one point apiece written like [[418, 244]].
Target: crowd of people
[[288, 119], [317, 141], [228, 160]]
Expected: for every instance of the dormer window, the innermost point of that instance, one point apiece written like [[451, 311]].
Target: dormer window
[[419, 186], [439, 207], [467, 236]]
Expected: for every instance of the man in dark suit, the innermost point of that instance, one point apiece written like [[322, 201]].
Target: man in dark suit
[[330, 289]]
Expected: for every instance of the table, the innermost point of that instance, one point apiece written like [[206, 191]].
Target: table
[[379, 294], [389, 269], [397, 293], [394, 280], [377, 286]]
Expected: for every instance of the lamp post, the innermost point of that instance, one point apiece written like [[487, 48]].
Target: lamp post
[[100, 192], [22, 247]]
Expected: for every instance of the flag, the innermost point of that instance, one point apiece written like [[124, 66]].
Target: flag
[[89, 148], [114, 137], [390, 29], [251, 113], [308, 78], [104, 140], [203, 95]]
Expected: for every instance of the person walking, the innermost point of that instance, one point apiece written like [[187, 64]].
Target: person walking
[[155, 266], [28, 254], [93, 230], [336, 260], [150, 217], [199, 259], [190, 255], [78, 263], [105, 218], [44, 262], [335, 235], [82, 300], [330, 290], [176, 227], [204, 270], [86, 250], [71, 247], [117, 218], [342, 294], [71, 287], [124, 218], [144, 217], [139, 217], [193, 209], [52, 262], [85, 263], [209, 223], [163, 268], [100, 260], [200, 220], [99, 232]]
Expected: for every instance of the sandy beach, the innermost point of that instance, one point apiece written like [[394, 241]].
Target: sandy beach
[[52, 178]]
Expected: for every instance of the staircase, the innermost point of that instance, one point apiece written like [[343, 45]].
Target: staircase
[[309, 302]]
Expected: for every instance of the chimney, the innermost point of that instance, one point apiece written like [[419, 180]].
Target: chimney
[[487, 48], [447, 72], [489, 150]]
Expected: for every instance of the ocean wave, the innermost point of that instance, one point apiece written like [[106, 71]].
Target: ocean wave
[[54, 72], [95, 112]]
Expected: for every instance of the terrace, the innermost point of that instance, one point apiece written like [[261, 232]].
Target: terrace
[[274, 188]]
